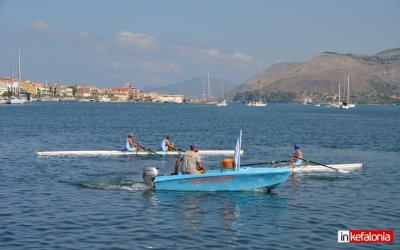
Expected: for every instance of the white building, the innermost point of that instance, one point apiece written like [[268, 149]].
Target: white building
[[3, 88], [66, 92], [170, 98], [44, 91], [69, 92], [13, 87]]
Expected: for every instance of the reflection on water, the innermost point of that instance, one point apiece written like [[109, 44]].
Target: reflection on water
[[229, 215], [102, 202], [226, 213]]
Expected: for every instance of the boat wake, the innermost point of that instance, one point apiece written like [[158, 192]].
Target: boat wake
[[263, 191], [132, 186]]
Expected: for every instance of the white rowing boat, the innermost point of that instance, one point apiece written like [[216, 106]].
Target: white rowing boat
[[138, 153], [320, 168]]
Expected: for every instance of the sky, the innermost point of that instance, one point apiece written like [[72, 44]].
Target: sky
[[155, 43]]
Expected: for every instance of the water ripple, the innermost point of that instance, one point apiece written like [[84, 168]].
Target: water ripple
[[102, 202]]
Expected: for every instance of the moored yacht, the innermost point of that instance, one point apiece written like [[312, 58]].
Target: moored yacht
[[18, 97]]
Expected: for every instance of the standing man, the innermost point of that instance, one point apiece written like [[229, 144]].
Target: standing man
[[131, 145], [167, 145], [296, 159], [191, 162]]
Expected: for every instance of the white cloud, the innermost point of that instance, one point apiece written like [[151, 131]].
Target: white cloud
[[136, 41], [214, 56], [39, 26], [242, 57], [210, 53]]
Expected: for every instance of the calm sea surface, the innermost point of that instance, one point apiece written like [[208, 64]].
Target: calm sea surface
[[102, 202]]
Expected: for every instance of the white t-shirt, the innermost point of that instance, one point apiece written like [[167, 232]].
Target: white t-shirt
[[163, 145]]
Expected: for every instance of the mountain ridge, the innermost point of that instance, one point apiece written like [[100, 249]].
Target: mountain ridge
[[373, 79]]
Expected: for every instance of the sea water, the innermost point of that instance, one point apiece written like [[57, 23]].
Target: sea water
[[101, 202]]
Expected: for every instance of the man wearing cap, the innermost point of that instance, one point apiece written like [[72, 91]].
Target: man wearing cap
[[167, 145], [131, 145], [191, 162], [296, 159]]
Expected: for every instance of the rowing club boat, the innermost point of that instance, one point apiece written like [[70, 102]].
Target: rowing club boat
[[321, 168], [138, 153], [218, 180], [228, 178]]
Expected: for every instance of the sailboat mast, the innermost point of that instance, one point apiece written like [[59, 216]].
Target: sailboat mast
[[19, 71], [223, 90], [12, 73], [209, 86], [204, 90], [339, 93], [348, 88]]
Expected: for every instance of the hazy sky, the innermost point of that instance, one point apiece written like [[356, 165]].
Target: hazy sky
[[153, 43]]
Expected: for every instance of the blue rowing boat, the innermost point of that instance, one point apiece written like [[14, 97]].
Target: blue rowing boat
[[218, 180], [224, 179]]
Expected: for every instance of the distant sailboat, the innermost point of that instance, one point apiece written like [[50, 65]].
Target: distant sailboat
[[346, 104], [18, 97], [223, 103], [208, 100], [259, 103]]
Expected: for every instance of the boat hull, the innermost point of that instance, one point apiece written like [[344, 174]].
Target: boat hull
[[319, 168], [138, 153], [224, 180], [257, 104]]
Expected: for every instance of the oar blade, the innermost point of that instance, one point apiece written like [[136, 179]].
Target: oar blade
[[149, 150]]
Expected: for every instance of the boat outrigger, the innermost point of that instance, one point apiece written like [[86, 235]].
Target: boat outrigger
[[138, 153]]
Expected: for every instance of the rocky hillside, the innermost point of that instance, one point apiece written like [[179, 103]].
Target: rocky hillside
[[373, 79]]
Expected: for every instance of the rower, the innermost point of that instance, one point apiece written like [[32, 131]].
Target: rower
[[131, 145], [167, 145], [191, 162], [296, 159]]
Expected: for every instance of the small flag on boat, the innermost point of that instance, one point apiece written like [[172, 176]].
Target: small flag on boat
[[237, 151]]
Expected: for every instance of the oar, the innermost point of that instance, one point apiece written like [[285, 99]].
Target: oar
[[262, 163], [181, 150], [149, 150], [305, 160]]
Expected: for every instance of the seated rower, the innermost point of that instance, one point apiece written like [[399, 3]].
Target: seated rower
[[131, 145], [167, 145], [296, 159], [191, 162]]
